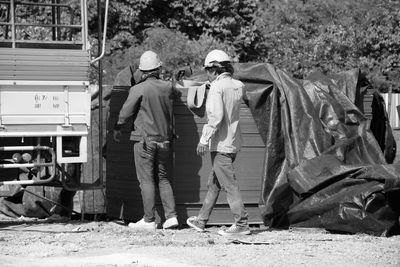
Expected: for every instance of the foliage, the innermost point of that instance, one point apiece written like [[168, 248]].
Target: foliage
[[182, 31], [299, 36], [332, 36], [41, 15], [176, 50], [228, 21]]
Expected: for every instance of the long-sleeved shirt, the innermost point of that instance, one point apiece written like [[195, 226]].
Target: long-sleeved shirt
[[222, 131], [150, 105]]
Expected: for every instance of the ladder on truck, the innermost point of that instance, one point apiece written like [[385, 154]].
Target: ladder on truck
[[45, 101]]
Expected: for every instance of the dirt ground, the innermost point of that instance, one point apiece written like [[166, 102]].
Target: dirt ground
[[58, 242]]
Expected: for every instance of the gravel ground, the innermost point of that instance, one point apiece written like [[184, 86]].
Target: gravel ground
[[32, 242]]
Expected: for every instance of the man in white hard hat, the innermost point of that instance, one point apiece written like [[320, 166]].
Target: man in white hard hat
[[150, 104], [222, 137]]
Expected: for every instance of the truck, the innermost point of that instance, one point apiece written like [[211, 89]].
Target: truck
[[45, 97]]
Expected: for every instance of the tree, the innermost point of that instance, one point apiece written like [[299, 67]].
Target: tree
[[331, 36], [176, 50], [227, 21]]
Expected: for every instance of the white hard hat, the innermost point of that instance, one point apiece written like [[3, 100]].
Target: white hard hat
[[216, 56], [149, 61]]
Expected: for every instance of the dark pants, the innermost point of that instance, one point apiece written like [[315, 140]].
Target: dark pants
[[223, 177], [153, 165]]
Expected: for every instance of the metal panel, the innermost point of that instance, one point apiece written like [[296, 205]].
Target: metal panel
[[392, 113], [44, 64], [190, 170], [45, 104], [367, 103], [122, 188]]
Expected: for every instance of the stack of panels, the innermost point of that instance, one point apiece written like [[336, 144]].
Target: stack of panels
[[190, 170]]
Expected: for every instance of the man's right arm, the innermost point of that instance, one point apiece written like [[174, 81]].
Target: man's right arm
[[215, 114]]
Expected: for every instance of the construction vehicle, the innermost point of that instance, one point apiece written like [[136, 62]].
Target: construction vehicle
[[45, 100]]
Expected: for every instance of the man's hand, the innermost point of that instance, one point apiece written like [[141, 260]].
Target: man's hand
[[202, 149], [117, 135]]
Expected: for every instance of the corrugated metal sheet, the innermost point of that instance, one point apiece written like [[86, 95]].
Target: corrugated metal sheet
[[392, 113], [366, 100], [190, 170], [122, 188], [44, 64]]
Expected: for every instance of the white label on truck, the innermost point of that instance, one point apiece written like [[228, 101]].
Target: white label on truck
[[48, 102]]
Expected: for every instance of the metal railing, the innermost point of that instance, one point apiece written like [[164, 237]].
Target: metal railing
[[55, 24]]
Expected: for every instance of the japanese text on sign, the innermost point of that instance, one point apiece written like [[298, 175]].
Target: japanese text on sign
[[47, 101]]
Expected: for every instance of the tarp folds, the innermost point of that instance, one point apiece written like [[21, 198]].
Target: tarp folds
[[323, 165]]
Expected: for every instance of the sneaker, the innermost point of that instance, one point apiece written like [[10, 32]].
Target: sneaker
[[235, 230], [170, 223], [142, 225], [195, 224]]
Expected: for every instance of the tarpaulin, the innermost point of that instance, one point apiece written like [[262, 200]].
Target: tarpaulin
[[323, 165]]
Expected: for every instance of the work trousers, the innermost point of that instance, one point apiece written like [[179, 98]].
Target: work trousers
[[223, 177], [153, 168]]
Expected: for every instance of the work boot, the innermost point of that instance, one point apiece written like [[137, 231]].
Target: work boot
[[235, 230], [196, 224], [142, 225], [170, 223]]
